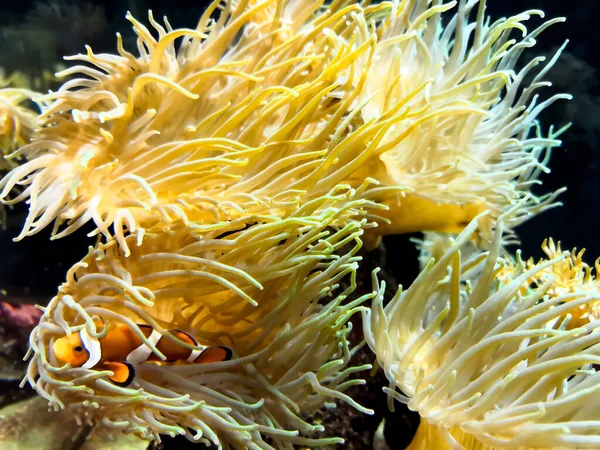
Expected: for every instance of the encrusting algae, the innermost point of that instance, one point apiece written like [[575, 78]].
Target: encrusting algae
[[492, 352]]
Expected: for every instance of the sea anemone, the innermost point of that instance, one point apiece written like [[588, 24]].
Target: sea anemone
[[569, 276], [462, 135], [492, 352], [17, 124], [434, 245], [269, 289], [247, 116], [276, 102]]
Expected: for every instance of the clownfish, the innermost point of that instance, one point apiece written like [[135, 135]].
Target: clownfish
[[121, 349]]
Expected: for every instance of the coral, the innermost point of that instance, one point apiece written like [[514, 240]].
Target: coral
[[267, 288], [493, 353], [19, 315]]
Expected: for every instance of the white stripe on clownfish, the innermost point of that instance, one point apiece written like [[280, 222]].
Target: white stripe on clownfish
[[143, 352], [196, 353], [92, 345]]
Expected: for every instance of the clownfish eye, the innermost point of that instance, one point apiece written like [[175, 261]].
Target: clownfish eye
[[78, 349]]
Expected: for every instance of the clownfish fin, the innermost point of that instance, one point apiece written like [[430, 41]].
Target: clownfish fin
[[184, 336], [123, 372], [214, 354]]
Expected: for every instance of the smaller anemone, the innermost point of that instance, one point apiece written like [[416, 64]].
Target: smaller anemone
[[17, 122], [433, 245], [493, 352], [570, 275]]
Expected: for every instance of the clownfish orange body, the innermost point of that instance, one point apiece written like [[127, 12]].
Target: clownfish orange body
[[121, 349]]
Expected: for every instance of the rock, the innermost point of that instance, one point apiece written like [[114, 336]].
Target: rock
[[29, 425], [98, 441], [379, 442]]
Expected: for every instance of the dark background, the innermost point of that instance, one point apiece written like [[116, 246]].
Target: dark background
[[35, 35]]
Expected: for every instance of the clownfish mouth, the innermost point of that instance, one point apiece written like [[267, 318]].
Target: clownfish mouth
[[62, 351]]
